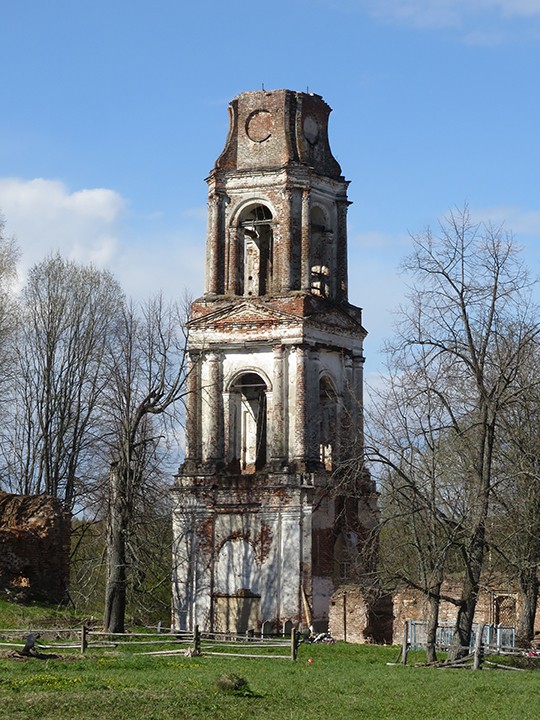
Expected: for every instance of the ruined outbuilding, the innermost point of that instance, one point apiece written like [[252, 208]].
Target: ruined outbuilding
[[266, 528], [34, 548], [498, 604]]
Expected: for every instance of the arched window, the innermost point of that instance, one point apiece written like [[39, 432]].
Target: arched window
[[248, 422], [256, 233], [237, 602], [328, 423]]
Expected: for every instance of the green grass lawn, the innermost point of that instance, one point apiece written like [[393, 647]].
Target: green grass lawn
[[342, 681], [13, 615]]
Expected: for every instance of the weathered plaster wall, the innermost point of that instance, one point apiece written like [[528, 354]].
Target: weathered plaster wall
[[252, 539]]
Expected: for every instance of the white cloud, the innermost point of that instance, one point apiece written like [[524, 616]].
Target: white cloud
[[518, 8], [45, 217], [487, 38], [440, 13], [514, 219], [91, 226], [480, 22], [420, 13]]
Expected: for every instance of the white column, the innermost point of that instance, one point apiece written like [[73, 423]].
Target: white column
[[235, 238], [299, 450], [358, 395], [215, 408], [313, 415], [278, 433]]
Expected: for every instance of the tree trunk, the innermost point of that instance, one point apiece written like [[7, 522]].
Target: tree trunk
[[115, 593], [528, 584], [461, 638], [432, 622], [117, 527]]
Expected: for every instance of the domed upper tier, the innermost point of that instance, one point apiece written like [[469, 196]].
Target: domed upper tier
[[269, 129]]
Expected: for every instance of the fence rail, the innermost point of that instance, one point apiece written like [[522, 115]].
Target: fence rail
[[189, 643]]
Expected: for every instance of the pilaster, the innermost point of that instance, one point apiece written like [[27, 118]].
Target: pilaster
[[341, 252], [193, 410], [305, 248]]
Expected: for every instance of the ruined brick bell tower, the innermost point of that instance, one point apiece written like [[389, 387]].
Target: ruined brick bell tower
[[264, 528]]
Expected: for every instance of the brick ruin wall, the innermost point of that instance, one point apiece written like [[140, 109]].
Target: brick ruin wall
[[360, 615], [34, 548], [357, 618]]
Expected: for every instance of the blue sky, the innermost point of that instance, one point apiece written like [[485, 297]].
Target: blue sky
[[113, 113]]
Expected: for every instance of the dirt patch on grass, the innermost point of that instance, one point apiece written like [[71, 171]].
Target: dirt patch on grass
[[17, 657]]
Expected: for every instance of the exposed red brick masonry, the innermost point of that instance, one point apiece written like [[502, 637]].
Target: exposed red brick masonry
[[34, 547]]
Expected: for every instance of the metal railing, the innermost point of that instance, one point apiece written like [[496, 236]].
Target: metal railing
[[498, 637]]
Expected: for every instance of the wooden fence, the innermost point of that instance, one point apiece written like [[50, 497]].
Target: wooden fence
[[249, 645], [32, 642]]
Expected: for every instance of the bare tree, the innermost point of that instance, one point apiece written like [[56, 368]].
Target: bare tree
[[68, 312], [515, 527], [412, 457], [8, 309], [147, 385], [470, 295]]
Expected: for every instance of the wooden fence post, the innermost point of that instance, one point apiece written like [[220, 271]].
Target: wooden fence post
[[294, 644], [405, 643], [196, 641], [84, 641]]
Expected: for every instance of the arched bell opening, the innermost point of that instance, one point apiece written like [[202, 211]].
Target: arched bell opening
[[248, 422], [256, 252], [321, 239], [328, 423]]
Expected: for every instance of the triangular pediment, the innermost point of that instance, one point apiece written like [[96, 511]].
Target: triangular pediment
[[246, 314]]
